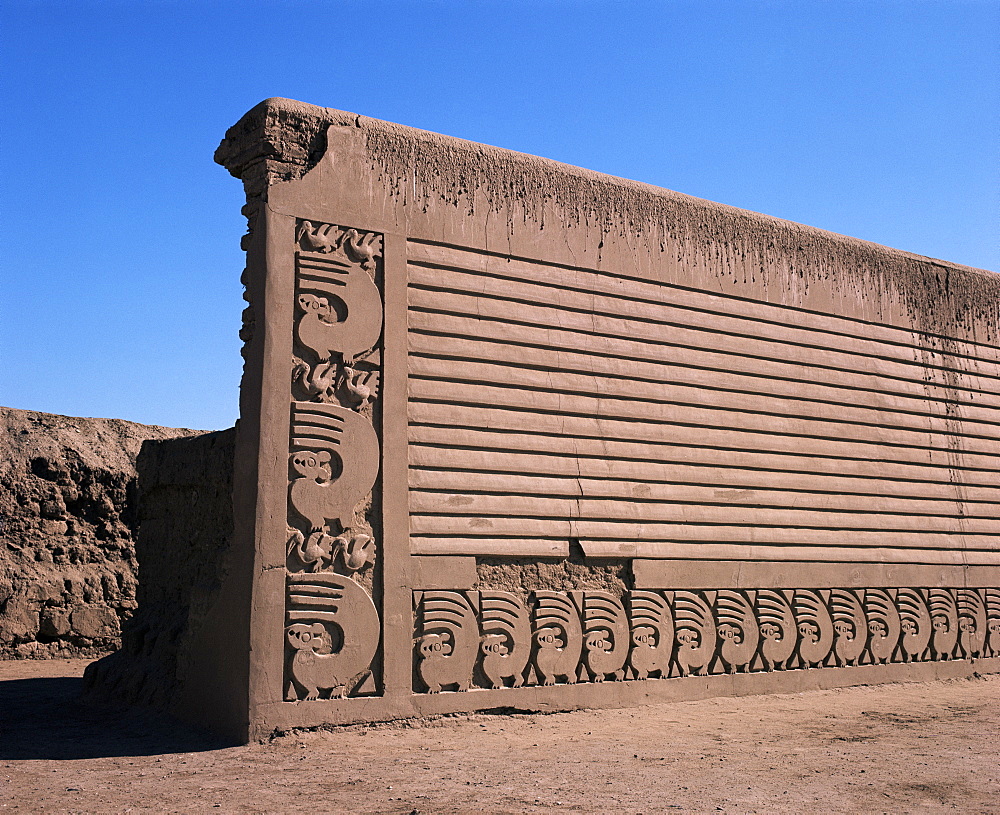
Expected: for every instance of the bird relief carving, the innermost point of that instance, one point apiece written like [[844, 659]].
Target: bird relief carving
[[552, 638], [340, 307], [334, 455], [333, 635], [333, 627]]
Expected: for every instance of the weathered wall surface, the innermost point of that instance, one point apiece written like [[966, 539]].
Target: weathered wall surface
[[519, 434], [68, 515], [185, 520]]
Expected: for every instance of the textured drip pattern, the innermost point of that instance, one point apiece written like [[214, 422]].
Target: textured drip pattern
[[280, 140]]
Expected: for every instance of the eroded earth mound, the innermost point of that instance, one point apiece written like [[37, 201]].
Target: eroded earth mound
[[67, 531]]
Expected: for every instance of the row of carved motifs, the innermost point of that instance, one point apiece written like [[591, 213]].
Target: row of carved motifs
[[332, 625], [336, 361], [496, 639]]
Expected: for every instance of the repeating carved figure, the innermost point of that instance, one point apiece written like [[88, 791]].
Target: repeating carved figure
[[992, 599], [915, 622], [356, 551], [558, 637], [815, 627], [884, 625], [506, 638], [319, 381], [606, 641], [971, 622], [944, 622], [334, 627], [850, 627], [333, 632], [778, 628], [358, 387], [695, 631], [363, 248], [579, 635], [652, 633], [315, 551], [738, 630], [340, 278], [335, 383], [448, 642], [319, 237], [315, 493]]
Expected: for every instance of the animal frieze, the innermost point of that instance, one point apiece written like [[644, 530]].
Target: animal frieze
[[564, 638]]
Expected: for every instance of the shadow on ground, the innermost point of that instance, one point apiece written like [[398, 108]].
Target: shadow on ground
[[45, 718]]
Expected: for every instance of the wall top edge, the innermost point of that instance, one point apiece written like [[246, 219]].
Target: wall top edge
[[290, 132], [420, 180]]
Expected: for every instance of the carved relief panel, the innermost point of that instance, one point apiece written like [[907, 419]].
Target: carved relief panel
[[494, 639], [333, 626]]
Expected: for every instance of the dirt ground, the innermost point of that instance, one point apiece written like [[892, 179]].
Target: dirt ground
[[931, 747]]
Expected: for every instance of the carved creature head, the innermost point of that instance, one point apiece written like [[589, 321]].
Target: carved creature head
[[644, 637], [967, 623], [305, 637], [313, 464], [494, 644], [549, 638], [770, 631], [728, 631], [940, 623], [809, 631], [314, 304], [909, 626], [878, 628], [599, 640], [688, 638], [844, 628], [433, 645], [994, 626]]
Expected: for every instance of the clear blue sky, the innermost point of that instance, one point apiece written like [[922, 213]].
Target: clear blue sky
[[120, 236]]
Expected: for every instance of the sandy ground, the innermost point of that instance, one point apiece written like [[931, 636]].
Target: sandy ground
[[900, 748]]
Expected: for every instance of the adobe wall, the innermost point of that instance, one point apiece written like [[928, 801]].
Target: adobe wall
[[183, 546], [517, 434], [67, 523]]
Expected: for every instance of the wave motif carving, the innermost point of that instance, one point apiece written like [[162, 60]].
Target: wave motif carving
[[595, 636]]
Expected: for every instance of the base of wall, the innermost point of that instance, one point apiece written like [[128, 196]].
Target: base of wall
[[556, 698]]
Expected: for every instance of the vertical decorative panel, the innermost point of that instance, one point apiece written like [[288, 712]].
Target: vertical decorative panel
[[334, 453]]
